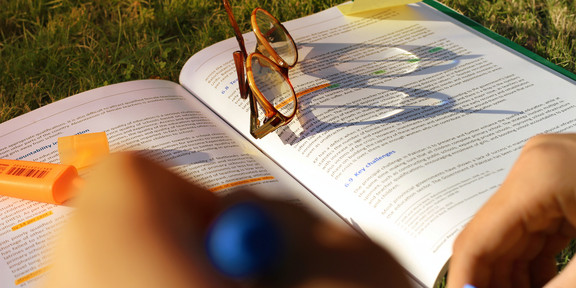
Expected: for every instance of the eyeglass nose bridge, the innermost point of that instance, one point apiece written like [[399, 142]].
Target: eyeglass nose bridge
[[261, 48], [279, 62]]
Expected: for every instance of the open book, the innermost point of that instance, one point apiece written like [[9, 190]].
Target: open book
[[417, 119]]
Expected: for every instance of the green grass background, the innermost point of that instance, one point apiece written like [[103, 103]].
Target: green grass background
[[52, 49]]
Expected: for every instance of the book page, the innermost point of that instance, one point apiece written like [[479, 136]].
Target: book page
[[157, 118], [413, 122]]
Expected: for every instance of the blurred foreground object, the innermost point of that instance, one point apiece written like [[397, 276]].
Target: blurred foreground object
[[514, 238], [139, 225]]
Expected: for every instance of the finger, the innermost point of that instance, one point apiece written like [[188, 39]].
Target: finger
[[566, 278], [486, 242], [520, 276], [537, 194], [501, 238], [125, 232], [128, 183], [534, 265], [544, 267], [319, 254]]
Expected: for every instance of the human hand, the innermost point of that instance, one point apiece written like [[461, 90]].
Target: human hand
[[318, 254], [138, 225], [135, 225], [514, 237]]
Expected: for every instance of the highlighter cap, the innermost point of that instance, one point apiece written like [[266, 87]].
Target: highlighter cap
[[244, 241], [82, 151]]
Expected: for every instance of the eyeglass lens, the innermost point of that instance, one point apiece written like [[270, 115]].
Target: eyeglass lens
[[273, 86], [277, 37]]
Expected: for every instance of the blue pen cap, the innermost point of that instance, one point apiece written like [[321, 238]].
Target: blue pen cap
[[244, 241]]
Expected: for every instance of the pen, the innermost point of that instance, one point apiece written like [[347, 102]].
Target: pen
[[244, 241]]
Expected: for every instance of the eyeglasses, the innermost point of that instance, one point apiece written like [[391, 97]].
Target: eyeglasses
[[263, 74]]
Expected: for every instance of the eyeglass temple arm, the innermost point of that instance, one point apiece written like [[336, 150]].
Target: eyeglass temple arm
[[254, 122], [237, 31], [242, 81]]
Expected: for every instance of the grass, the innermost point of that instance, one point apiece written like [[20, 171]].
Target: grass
[[547, 27], [52, 49]]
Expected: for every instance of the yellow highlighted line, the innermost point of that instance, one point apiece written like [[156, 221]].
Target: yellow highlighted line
[[238, 183], [31, 275], [32, 220], [302, 93]]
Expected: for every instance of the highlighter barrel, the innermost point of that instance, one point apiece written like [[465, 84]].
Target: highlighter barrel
[[44, 182]]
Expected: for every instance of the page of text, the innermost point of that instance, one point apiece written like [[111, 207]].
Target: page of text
[[157, 118], [412, 123]]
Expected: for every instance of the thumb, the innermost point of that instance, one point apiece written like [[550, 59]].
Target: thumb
[[566, 278]]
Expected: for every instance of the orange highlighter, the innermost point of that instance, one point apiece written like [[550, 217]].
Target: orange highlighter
[[48, 182], [44, 182]]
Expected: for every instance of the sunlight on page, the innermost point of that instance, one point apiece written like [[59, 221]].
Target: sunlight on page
[[368, 5], [418, 126]]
